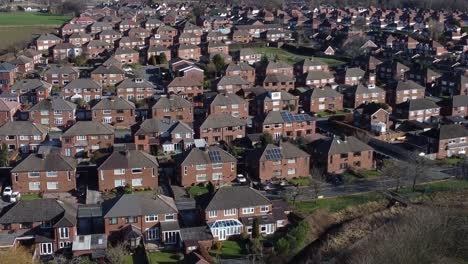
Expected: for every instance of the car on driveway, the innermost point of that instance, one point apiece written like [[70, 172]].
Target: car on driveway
[[7, 191], [15, 197], [241, 179]]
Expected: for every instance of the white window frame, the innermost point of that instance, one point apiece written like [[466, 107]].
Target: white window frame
[[248, 210], [264, 208], [52, 174], [212, 214], [46, 249], [230, 212], [64, 233], [119, 171], [151, 218]]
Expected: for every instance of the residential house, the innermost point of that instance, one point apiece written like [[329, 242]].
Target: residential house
[[249, 56], [243, 70], [232, 84], [447, 140], [44, 173], [174, 107], [359, 94], [169, 135], [403, 91], [317, 100], [128, 167], [126, 55], [285, 161], [221, 127], [87, 136], [24, 136], [46, 41], [319, 78], [274, 101], [135, 89], [284, 124], [229, 104], [142, 216], [187, 87], [60, 75], [118, 112], [8, 111], [49, 225], [8, 74], [372, 117], [421, 110], [86, 89], [108, 76], [53, 112], [31, 91], [338, 155], [65, 51], [213, 165], [278, 81]]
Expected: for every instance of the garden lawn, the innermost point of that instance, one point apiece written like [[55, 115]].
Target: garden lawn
[[229, 249], [162, 257], [291, 58], [303, 181], [369, 173], [32, 18], [197, 190], [30, 196]]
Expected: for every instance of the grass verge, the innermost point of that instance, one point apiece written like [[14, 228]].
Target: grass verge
[[291, 58]]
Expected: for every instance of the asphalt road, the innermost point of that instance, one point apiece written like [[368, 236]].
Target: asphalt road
[[361, 186]]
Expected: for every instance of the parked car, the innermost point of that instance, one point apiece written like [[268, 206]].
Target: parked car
[[15, 197], [241, 179], [7, 191]]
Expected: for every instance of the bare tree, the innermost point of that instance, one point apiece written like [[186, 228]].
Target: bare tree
[[316, 174], [418, 166], [436, 29], [116, 254], [395, 170]]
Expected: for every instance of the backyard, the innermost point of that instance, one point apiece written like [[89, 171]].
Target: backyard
[[229, 249]]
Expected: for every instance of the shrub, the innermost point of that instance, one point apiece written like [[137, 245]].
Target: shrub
[[282, 246]]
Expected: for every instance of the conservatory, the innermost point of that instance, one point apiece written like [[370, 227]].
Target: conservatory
[[223, 229]]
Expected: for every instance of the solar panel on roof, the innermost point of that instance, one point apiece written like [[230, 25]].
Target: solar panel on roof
[[274, 154], [214, 155]]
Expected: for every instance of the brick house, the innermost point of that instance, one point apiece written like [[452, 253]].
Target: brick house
[[161, 40], [96, 48], [230, 214], [187, 87], [44, 173], [278, 81], [8, 74], [421, 110], [403, 91], [243, 70], [86, 89], [173, 106], [188, 51], [156, 51], [337, 155], [372, 117], [285, 161], [23, 63], [50, 232], [169, 134], [31, 90], [392, 70], [284, 124], [216, 47], [318, 100], [319, 78], [354, 96], [8, 111], [53, 112], [351, 76], [65, 51], [59, 75], [79, 39], [279, 68], [241, 36], [143, 216], [86, 136], [135, 89], [447, 140], [114, 111], [107, 76], [456, 106], [249, 56], [133, 167], [213, 165], [23, 135], [189, 38], [308, 65], [166, 31], [126, 56], [232, 84], [221, 127], [274, 101], [46, 41], [110, 36], [230, 104]]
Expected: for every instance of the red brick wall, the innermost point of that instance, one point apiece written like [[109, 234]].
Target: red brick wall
[[64, 184], [106, 178]]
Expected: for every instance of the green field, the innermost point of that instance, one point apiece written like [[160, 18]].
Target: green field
[[291, 58], [19, 28], [31, 19]]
